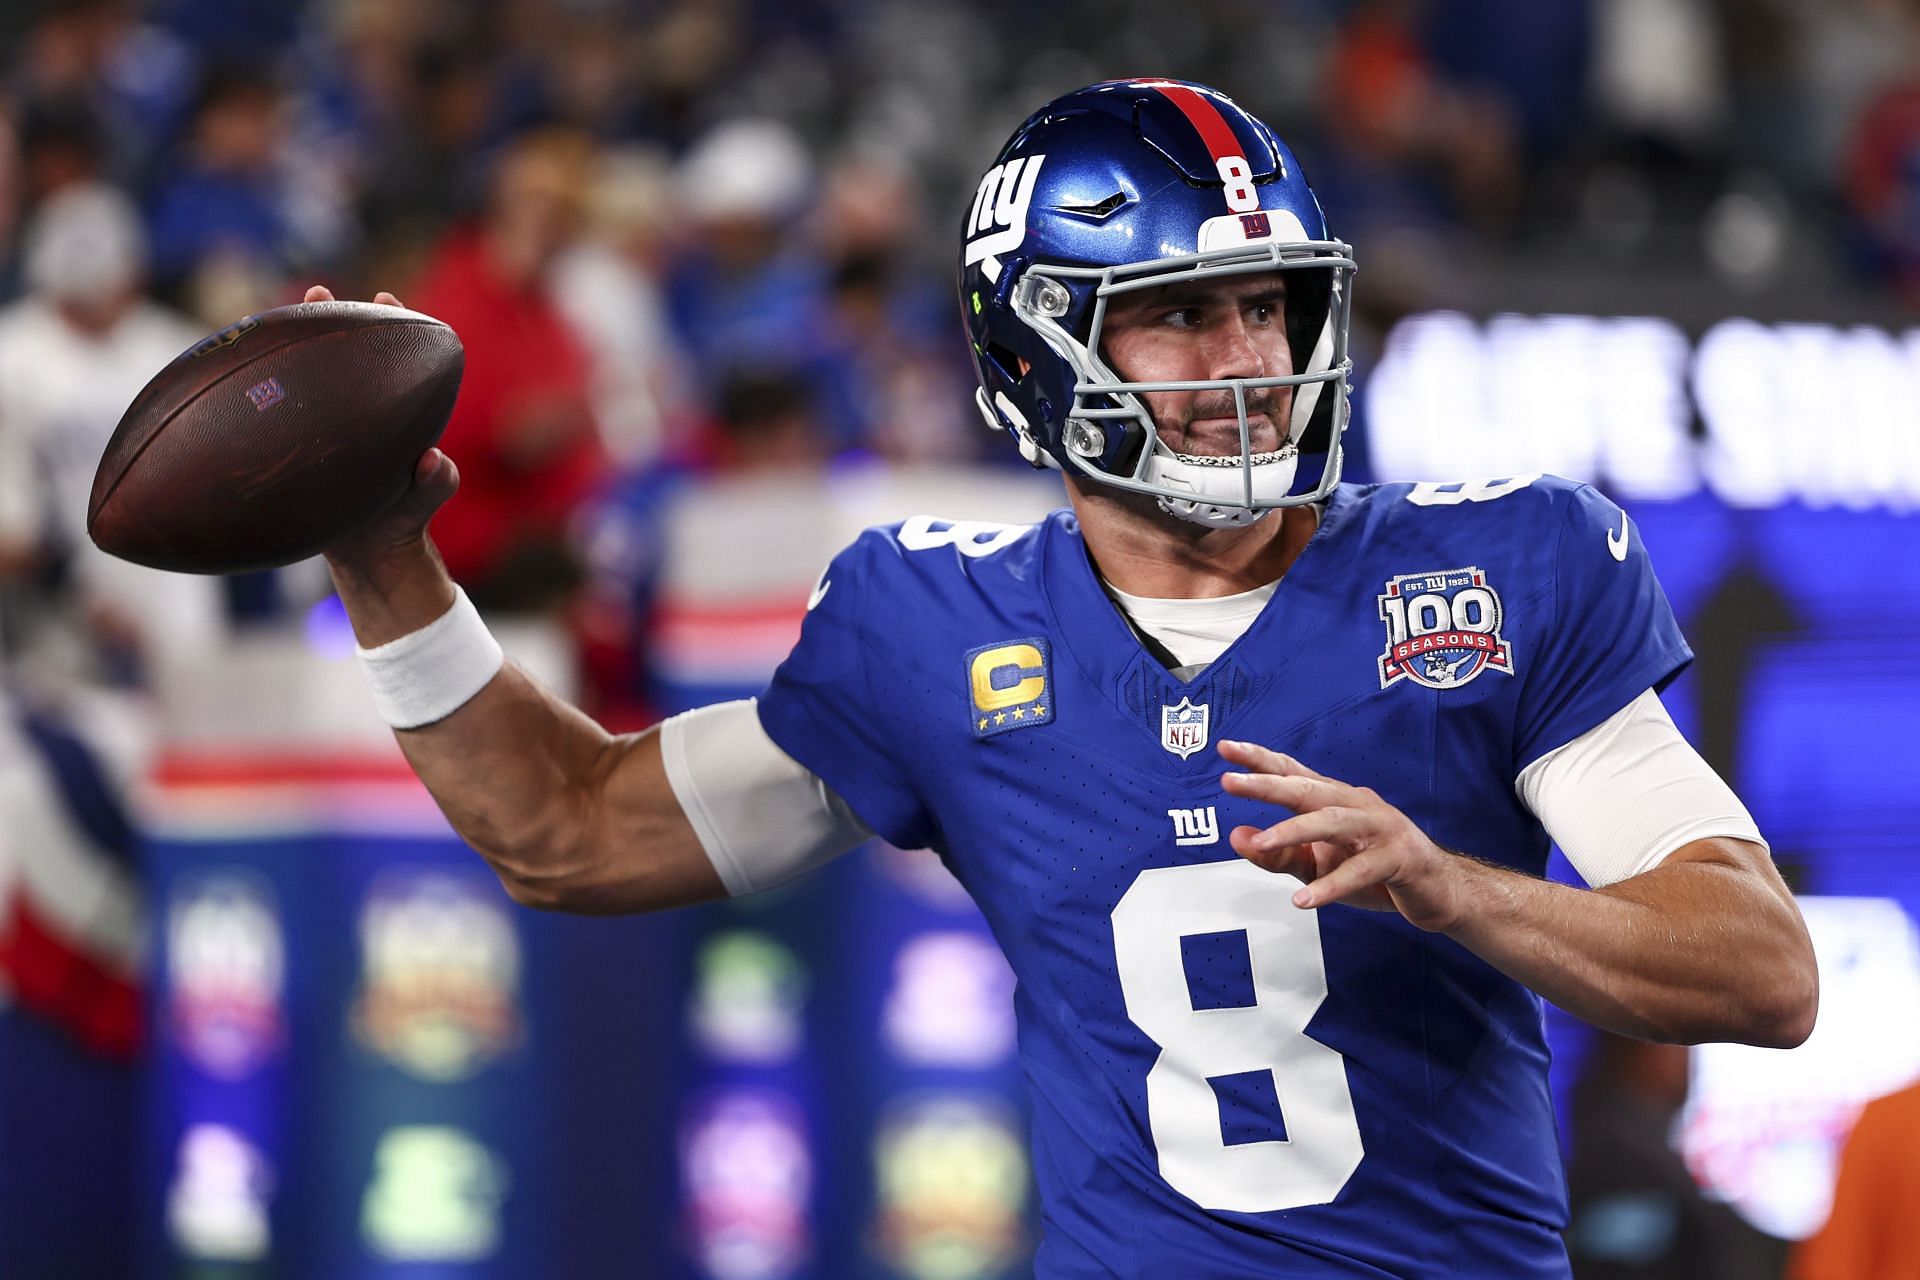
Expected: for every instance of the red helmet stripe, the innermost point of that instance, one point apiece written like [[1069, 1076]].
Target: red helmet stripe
[[1202, 115]]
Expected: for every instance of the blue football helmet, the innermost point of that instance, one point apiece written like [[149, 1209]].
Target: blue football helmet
[[1133, 184]]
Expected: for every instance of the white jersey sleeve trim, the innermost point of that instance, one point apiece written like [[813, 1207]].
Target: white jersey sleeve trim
[[762, 816], [1623, 795]]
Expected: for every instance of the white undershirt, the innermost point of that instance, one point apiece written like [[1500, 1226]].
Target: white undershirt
[[1617, 799], [1195, 632]]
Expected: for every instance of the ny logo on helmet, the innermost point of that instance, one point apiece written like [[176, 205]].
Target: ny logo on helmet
[[998, 222]]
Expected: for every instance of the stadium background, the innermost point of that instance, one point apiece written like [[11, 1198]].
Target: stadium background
[[264, 1017]]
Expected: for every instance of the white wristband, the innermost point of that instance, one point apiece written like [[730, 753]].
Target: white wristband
[[429, 674]]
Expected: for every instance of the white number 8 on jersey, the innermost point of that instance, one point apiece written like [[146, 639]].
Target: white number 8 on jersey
[[1322, 1148]]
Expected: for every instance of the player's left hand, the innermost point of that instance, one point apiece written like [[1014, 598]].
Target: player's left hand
[[1345, 842]]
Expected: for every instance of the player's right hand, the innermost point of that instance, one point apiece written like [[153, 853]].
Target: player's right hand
[[400, 531], [1346, 844]]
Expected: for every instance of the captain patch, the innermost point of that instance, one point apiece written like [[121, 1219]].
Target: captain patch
[[1443, 629], [1009, 686]]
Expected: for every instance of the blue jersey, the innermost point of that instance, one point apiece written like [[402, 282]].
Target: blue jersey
[[1225, 1085]]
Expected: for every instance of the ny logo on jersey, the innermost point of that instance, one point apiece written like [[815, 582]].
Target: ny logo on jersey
[[1183, 729], [1443, 629], [1195, 826]]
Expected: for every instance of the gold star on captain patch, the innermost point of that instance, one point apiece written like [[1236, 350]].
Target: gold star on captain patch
[[1000, 717], [983, 722], [1019, 714], [1039, 711]]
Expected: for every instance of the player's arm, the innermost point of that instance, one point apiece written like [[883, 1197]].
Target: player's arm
[[569, 816], [1700, 941]]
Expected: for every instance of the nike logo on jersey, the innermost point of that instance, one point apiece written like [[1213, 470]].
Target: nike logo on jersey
[[819, 594], [1619, 545]]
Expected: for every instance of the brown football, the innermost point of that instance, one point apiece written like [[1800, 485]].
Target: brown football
[[269, 440]]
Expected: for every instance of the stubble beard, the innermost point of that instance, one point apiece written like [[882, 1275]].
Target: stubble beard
[[1215, 442]]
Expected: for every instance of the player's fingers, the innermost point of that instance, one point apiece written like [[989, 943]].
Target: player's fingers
[[1326, 858], [1358, 879], [435, 478], [1266, 760], [386, 299], [1335, 825], [1295, 791], [1294, 859], [318, 293]]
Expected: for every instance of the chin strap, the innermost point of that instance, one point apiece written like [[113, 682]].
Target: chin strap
[[1211, 515], [1218, 484]]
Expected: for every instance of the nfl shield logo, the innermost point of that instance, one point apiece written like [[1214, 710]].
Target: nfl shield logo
[[1183, 729]]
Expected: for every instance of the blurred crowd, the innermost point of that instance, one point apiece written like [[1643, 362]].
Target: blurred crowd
[[681, 236], [689, 239]]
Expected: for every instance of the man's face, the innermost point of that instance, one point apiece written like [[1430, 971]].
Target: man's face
[[1225, 327]]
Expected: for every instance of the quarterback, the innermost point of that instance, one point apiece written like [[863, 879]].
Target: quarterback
[[1253, 773]]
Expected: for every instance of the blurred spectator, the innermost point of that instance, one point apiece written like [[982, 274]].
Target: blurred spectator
[[56, 144], [231, 29], [523, 431], [1873, 1232], [73, 354], [1415, 147], [609, 287], [1530, 57], [766, 423], [591, 78], [1637, 1213], [225, 200], [743, 291], [61, 143], [425, 164], [1658, 72], [690, 56], [765, 439], [1840, 57], [1882, 173], [135, 77], [885, 365], [83, 637]]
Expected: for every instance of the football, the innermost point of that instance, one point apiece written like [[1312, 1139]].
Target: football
[[268, 441]]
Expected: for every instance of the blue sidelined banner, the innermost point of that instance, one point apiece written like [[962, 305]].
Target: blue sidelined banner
[[369, 1061]]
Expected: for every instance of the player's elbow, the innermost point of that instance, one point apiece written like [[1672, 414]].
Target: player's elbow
[[597, 868], [543, 892], [1785, 1011], [597, 890], [546, 883], [547, 861], [1776, 1006], [1788, 997]]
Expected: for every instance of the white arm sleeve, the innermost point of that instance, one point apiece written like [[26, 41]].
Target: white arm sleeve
[[1629, 791], [762, 816]]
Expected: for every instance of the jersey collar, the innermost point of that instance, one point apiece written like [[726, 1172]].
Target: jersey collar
[[1096, 636]]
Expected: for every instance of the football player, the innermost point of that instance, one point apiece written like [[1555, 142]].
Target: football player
[[1252, 772]]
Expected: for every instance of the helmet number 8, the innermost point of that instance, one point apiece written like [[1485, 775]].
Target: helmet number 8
[[1238, 178], [1322, 1145]]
